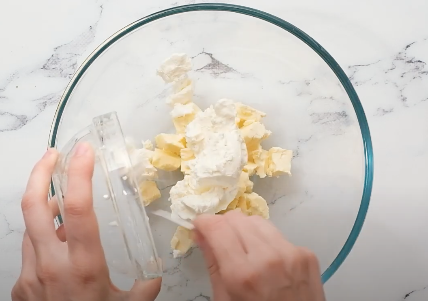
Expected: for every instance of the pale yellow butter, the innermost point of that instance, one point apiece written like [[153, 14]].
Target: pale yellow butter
[[246, 113], [183, 96], [182, 82], [182, 115], [185, 168], [232, 204], [279, 162], [165, 160], [186, 155], [253, 134], [172, 143], [149, 192], [256, 205], [250, 168], [181, 242], [260, 157], [243, 205], [244, 184]]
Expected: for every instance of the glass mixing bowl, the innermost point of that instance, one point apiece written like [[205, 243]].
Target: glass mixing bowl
[[260, 60]]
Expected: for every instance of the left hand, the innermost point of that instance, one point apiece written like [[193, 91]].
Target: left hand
[[55, 270]]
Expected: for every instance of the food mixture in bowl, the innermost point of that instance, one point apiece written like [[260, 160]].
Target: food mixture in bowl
[[218, 150], [258, 60]]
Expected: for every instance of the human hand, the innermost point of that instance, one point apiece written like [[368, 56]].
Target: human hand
[[248, 259], [53, 270]]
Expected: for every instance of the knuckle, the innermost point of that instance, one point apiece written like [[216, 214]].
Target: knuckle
[[16, 296], [273, 262], [26, 202], [46, 274], [16, 293], [241, 277], [74, 208], [86, 274], [249, 280], [28, 283], [308, 256]]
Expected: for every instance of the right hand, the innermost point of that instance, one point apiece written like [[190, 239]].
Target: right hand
[[248, 259]]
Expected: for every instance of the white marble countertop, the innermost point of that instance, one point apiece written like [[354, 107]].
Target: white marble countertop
[[382, 45]]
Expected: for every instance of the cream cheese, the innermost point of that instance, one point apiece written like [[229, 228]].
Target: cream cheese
[[220, 154], [175, 67]]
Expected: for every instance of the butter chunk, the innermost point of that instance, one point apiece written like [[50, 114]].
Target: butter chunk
[[260, 157], [149, 192], [246, 113], [231, 206], [186, 155], [180, 83], [174, 67], [172, 143], [182, 115], [181, 242], [279, 162], [257, 205], [248, 122], [253, 134], [185, 167], [243, 205], [250, 168], [244, 184], [183, 96], [165, 160], [141, 160]]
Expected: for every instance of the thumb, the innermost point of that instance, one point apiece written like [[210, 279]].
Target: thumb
[[219, 292], [209, 257], [146, 290]]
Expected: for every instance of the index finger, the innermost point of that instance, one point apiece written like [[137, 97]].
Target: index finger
[[221, 239], [80, 221], [35, 209]]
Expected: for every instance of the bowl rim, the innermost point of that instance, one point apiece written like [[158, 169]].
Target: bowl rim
[[331, 62]]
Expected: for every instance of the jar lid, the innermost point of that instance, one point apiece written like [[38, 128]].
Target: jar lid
[[124, 225]]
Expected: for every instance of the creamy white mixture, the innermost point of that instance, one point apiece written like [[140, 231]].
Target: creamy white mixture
[[220, 154]]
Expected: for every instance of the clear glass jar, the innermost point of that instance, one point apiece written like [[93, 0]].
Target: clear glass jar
[[124, 225]]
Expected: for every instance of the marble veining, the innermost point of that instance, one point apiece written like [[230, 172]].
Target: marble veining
[[61, 64], [402, 73], [214, 67], [389, 261], [413, 294]]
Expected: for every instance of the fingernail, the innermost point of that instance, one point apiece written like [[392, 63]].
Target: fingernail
[[81, 149]]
